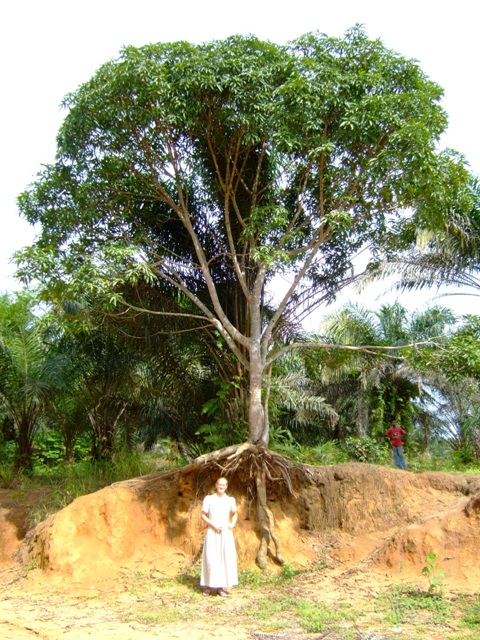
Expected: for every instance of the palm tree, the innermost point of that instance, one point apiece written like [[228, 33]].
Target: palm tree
[[459, 407], [371, 389], [24, 371], [129, 377], [446, 256], [296, 402]]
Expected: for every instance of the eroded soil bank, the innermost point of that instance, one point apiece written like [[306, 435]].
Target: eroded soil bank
[[371, 526]]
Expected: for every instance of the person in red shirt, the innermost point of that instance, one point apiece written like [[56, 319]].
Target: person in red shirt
[[395, 433]]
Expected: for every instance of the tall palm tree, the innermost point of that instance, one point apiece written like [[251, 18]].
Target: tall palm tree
[[371, 389], [24, 371], [446, 256]]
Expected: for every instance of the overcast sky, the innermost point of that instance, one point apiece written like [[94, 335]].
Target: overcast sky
[[50, 47]]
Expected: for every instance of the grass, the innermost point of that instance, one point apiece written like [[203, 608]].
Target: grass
[[253, 578], [61, 484], [270, 605], [471, 614], [316, 617], [405, 604]]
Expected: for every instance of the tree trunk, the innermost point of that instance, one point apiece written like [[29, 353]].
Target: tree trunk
[[24, 451], [256, 415], [103, 440], [69, 443]]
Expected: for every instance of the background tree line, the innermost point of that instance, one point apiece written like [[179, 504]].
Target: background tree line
[[76, 385]]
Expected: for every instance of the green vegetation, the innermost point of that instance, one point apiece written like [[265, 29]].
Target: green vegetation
[[471, 614], [62, 483], [434, 574], [404, 604], [253, 578], [317, 616]]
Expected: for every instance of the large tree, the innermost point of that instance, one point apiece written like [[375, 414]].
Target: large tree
[[208, 170]]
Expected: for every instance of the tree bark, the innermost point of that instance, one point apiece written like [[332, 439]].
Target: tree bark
[[256, 415]]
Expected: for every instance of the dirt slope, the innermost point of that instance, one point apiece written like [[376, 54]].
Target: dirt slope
[[367, 518]]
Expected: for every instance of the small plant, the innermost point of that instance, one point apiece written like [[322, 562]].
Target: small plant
[[287, 572], [434, 575], [31, 566]]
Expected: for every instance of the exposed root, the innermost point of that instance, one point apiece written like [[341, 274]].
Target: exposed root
[[254, 466], [266, 522], [228, 453]]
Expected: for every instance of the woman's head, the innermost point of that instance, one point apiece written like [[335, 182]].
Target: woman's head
[[221, 485]]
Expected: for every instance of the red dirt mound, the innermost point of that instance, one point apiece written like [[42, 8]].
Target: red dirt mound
[[366, 518]]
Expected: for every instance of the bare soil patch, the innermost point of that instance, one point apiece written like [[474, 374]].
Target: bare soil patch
[[123, 562]]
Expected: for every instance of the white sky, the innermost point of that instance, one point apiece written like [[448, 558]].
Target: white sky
[[49, 47]]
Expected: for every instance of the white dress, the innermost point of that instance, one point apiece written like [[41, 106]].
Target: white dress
[[219, 559]]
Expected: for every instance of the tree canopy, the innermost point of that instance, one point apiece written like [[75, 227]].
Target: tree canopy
[[208, 171]]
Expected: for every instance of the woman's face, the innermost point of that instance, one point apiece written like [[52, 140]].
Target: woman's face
[[221, 486]]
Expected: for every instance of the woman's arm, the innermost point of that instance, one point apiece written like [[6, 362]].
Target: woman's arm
[[233, 514], [233, 519], [207, 520]]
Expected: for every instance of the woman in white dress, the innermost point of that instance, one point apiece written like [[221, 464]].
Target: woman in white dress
[[219, 559]]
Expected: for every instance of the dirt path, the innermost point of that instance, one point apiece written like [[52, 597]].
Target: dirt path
[[34, 607]]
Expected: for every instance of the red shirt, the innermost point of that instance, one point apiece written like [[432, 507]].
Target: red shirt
[[395, 434]]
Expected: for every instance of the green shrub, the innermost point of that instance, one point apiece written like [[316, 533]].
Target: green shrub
[[49, 448], [330, 452], [366, 449]]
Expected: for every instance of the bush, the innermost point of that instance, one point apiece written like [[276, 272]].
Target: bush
[[328, 453], [48, 448], [366, 449]]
